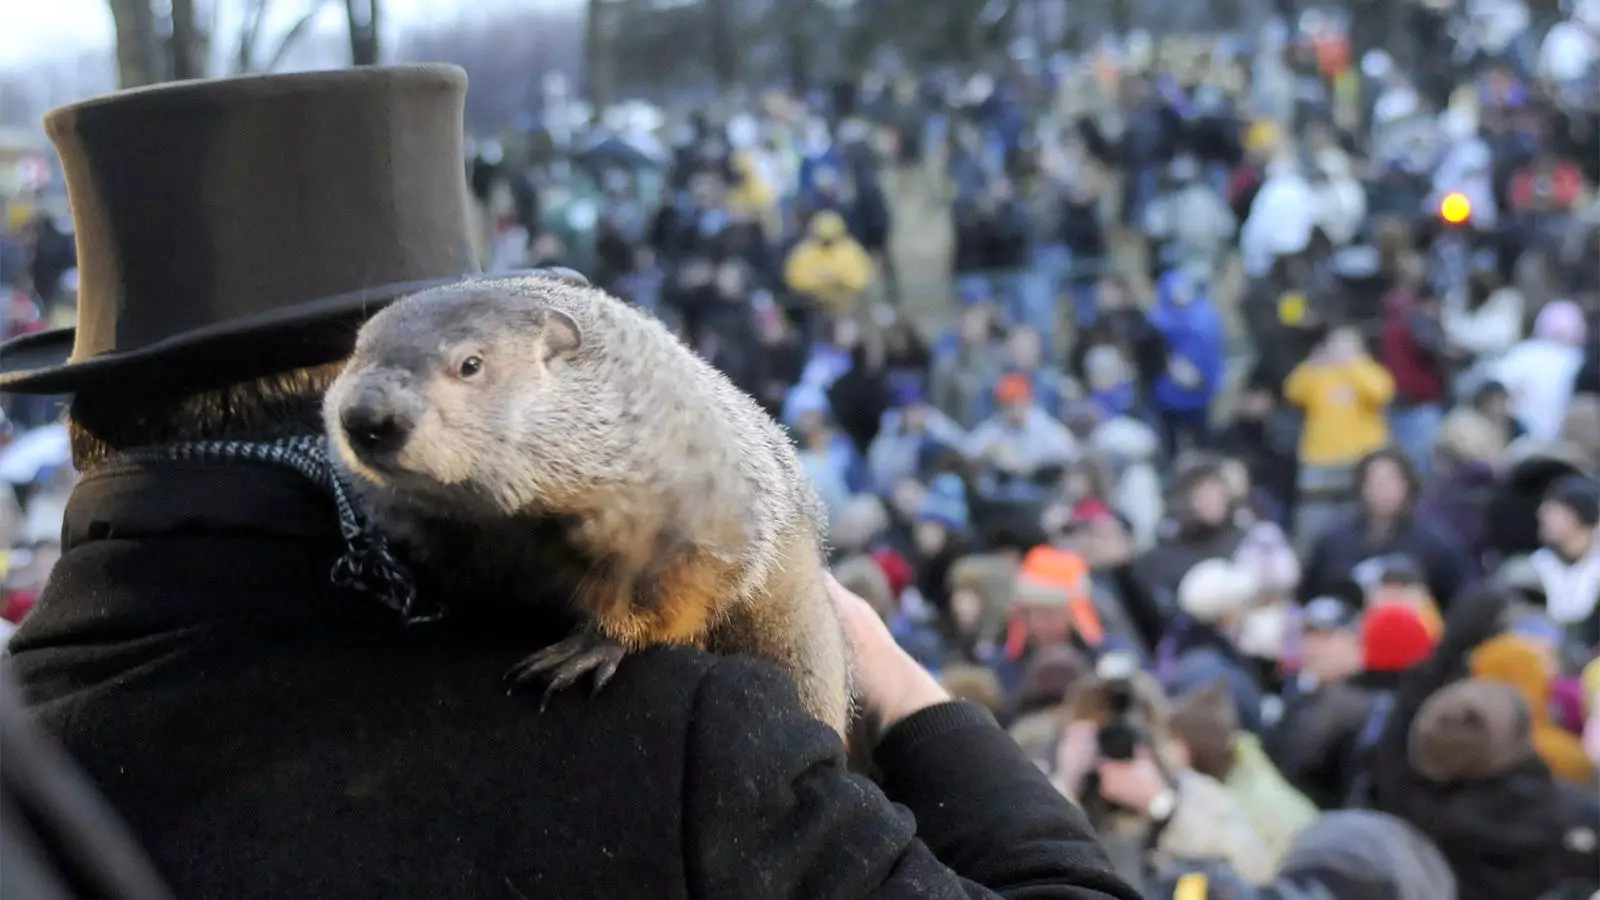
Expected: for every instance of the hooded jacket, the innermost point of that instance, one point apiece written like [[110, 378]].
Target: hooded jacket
[[1278, 812], [1515, 661], [1196, 352], [1515, 835], [1344, 406], [828, 266]]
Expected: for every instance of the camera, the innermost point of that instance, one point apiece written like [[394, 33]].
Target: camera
[[1119, 737]]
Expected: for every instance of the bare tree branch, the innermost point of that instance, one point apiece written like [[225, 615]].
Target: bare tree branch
[[245, 60], [292, 36]]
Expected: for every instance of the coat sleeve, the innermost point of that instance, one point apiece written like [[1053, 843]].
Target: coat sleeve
[[802, 273], [1298, 387], [770, 809], [1373, 382]]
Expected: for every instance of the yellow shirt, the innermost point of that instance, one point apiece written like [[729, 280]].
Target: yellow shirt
[[1344, 406]]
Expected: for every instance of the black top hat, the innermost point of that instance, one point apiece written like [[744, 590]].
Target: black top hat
[[233, 228]]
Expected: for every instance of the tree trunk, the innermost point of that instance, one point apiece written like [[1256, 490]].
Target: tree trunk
[[724, 50], [186, 45], [596, 55], [138, 50], [363, 16], [796, 44]]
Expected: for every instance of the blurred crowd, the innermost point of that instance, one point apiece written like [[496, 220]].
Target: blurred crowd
[[1224, 418]]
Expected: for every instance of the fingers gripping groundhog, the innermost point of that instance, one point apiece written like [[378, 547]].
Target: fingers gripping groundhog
[[474, 422]]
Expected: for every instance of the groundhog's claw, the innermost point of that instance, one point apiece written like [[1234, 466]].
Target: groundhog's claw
[[565, 662]]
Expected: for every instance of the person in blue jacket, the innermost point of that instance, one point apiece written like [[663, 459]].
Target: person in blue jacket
[[1196, 353]]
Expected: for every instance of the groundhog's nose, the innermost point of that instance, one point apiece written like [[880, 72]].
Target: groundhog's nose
[[374, 428]]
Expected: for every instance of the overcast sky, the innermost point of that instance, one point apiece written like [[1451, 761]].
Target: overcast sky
[[42, 29]]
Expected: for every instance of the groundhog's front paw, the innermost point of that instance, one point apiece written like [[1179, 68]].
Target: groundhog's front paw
[[564, 662]]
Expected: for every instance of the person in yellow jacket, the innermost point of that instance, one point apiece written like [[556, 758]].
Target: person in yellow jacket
[[1344, 393], [750, 195], [828, 266]]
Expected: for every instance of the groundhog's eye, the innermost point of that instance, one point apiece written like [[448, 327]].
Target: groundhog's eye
[[470, 367]]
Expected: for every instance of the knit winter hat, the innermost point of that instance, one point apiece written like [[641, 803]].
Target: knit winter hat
[[1470, 731], [1214, 589], [1394, 638], [1013, 389], [1515, 660], [895, 568], [945, 502], [1364, 855], [1579, 494], [1561, 321], [1050, 577]]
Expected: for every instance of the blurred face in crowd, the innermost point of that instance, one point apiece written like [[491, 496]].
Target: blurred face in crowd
[[547, 247], [1078, 484], [1384, 492], [705, 190], [1495, 404], [1410, 594], [1343, 345], [1112, 295], [811, 423], [1024, 349], [1237, 478], [771, 326], [976, 322], [907, 497], [1047, 625], [1209, 502], [1330, 655], [846, 333], [966, 608], [1015, 413], [731, 282], [930, 538], [914, 418], [1256, 404], [1559, 526]]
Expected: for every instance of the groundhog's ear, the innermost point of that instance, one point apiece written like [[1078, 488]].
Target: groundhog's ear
[[561, 335]]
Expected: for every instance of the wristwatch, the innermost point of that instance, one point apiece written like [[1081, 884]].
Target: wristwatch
[[1162, 805]]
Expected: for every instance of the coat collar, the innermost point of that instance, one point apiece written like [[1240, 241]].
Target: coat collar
[[169, 498], [168, 547]]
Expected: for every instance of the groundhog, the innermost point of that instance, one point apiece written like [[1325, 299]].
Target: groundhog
[[532, 431]]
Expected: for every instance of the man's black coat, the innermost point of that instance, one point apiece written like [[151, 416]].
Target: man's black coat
[[269, 735]]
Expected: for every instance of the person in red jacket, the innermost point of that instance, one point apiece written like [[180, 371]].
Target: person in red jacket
[[1546, 185], [1419, 357]]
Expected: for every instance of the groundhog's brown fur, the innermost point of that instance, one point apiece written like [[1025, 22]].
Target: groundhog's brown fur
[[534, 407]]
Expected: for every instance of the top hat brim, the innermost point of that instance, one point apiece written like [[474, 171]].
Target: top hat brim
[[305, 334]]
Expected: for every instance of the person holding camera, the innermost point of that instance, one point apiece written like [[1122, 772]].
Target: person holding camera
[[1118, 758]]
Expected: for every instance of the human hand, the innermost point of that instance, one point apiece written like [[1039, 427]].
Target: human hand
[[1132, 784], [891, 684], [1076, 753]]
